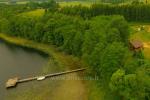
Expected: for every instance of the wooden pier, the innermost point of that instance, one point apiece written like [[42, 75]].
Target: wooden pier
[[13, 82]]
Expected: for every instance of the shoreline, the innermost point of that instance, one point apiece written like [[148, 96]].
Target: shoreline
[[64, 60], [23, 43]]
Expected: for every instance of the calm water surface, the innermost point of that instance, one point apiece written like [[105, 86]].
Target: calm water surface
[[16, 61]]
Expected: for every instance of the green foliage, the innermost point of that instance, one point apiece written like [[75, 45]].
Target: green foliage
[[112, 59], [114, 1], [94, 40], [130, 86], [104, 46], [7, 11], [4, 25], [117, 80], [131, 12], [50, 5], [137, 2], [101, 41], [122, 26]]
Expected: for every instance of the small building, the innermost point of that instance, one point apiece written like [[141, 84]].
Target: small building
[[11, 82], [136, 45]]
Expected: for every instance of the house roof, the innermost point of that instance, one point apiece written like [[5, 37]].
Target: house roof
[[136, 44]]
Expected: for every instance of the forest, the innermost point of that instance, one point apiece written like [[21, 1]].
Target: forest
[[138, 12], [99, 35]]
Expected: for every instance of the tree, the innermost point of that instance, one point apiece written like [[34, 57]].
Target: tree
[[119, 23], [136, 2], [38, 31], [77, 44], [51, 5], [130, 86], [113, 34], [33, 5], [112, 59], [4, 25], [95, 58]]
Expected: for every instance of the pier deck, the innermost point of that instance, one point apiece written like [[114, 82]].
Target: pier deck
[[13, 82]]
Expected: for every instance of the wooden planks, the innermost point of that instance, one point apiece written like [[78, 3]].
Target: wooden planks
[[13, 82]]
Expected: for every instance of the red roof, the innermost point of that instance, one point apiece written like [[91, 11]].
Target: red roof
[[136, 44]]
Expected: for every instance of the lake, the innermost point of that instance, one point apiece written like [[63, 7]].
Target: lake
[[18, 62]]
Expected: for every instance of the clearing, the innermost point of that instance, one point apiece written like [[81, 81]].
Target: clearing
[[142, 35]]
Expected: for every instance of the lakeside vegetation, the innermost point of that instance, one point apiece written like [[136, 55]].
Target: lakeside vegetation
[[98, 36]]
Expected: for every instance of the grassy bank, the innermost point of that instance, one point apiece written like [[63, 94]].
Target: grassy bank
[[62, 59]]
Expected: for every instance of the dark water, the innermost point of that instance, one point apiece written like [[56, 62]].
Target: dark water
[[20, 62]]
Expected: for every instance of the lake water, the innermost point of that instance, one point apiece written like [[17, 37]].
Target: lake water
[[18, 62]]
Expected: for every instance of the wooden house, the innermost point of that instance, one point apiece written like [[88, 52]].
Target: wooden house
[[136, 45]]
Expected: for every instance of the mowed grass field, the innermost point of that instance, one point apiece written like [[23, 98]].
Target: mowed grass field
[[142, 35], [22, 2], [75, 3], [35, 13], [148, 1]]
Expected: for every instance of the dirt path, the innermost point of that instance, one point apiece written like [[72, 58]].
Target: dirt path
[[146, 44]]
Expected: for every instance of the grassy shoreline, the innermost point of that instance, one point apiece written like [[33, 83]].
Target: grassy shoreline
[[45, 48], [24, 43]]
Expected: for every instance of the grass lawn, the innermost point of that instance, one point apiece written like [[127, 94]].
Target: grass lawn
[[22, 2], [35, 13]]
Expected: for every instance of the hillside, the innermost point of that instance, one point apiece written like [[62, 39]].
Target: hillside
[[100, 38]]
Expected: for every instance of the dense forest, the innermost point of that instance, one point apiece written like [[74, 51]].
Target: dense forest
[[99, 35], [138, 12]]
